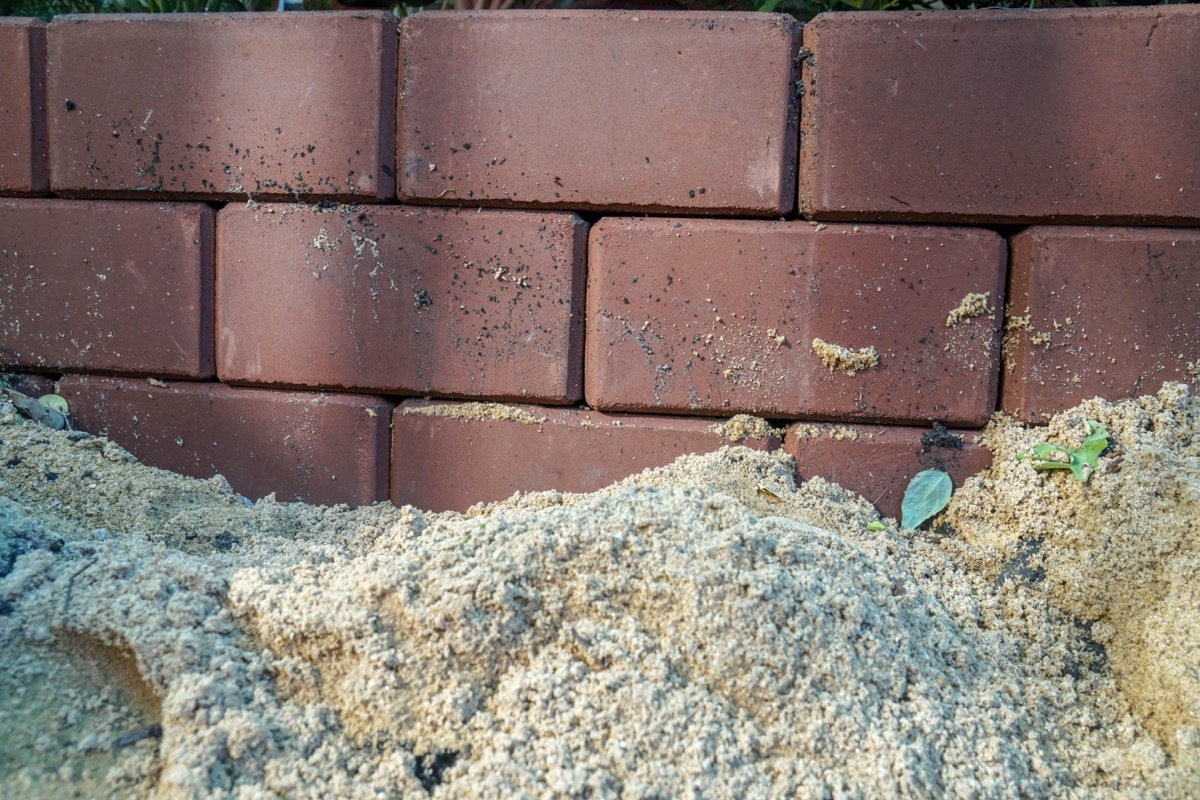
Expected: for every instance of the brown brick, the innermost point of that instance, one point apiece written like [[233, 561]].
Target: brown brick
[[720, 317], [106, 287], [1109, 312], [319, 448], [1003, 115], [22, 106], [223, 105], [29, 385], [402, 300], [448, 456], [640, 111], [878, 461]]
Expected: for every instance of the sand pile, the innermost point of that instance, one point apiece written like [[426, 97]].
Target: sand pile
[[680, 634]]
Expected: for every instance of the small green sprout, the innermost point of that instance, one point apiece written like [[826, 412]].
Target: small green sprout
[[875, 526], [1080, 460]]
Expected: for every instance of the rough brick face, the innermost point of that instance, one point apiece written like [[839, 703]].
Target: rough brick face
[[402, 300], [449, 456], [878, 461], [29, 385], [22, 106], [223, 105], [106, 287], [1109, 312], [1003, 115], [720, 317], [644, 111], [320, 448]]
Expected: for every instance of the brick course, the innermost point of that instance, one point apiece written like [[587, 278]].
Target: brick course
[[1062, 115], [320, 448], [208, 106], [106, 287], [23, 169], [402, 300], [1109, 312], [451, 462], [636, 110], [720, 316]]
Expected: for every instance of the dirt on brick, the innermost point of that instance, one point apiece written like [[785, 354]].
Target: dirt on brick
[[843, 359], [705, 629], [479, 412]]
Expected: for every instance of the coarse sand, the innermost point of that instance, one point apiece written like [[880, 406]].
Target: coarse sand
[[707, 629]]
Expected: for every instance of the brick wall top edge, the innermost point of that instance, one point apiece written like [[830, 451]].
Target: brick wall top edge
[[1065, 115], [262, 105], [690, 18], [959, 16], [21, 22], [211, 17], [649, 137]]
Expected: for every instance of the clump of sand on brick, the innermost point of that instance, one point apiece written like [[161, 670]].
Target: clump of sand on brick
[[741, 427], [851, 362], [682, 631], [478, 412], [975, 304]]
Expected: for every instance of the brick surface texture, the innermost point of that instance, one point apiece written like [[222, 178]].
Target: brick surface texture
[[27, 384], [321, 448], [1061, 115], [106, 287], [449, 456], [223, 105], [403, 300], [642, 111], [299, 249], [720, 317], [1108, 312], [878, 461], [23, 165]]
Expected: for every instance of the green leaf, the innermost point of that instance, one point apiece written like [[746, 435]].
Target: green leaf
[[54, 401], [875, 526], [927, 494], [1080, 460]]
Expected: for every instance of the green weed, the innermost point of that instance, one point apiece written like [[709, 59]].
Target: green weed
[[1080, 460]]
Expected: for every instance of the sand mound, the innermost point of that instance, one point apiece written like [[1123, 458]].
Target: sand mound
[[680, 634]]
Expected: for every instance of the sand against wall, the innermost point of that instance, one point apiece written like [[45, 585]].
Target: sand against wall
[[680, 634]]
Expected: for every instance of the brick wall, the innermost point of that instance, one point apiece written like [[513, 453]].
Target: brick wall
[[302, 249]]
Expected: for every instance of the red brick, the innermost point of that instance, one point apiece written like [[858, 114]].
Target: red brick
[[223, 105], [451, 462], [29, 385], [1109, 312], [878, 461], [402, 300], [106, 287], [629, 110], [319, 448], [719, 317], [22, 106], [1003, 115]]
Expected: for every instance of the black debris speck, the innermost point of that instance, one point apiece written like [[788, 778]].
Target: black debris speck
[[225, 541]]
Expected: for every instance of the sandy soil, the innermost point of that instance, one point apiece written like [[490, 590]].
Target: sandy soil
[[683, 633]]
